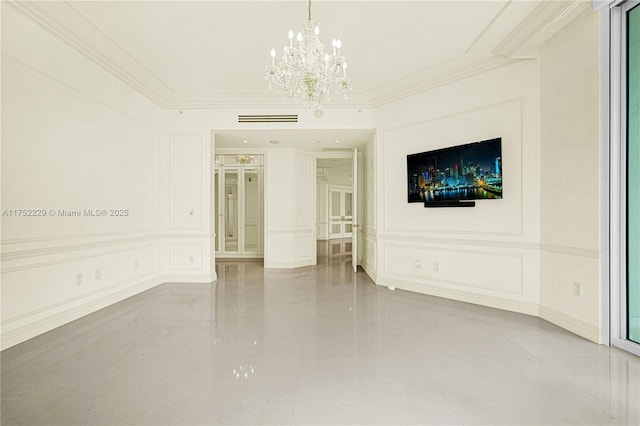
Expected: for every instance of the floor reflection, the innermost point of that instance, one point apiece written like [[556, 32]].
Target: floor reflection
[[312, 345], [332, 251]]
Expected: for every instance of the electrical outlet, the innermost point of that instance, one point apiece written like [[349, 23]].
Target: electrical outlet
[[436, 266], [577, 289], [191, 259], [98, 274], [78, 280]]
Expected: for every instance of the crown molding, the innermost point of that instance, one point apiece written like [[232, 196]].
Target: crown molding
[[547, 19], [443, 79], [64, 22], [58, 21], [53, 23], [255, 100]]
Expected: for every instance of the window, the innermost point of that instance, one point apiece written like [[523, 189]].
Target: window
[[624, 213]]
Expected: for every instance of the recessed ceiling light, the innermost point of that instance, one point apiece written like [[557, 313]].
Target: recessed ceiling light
[[245, 141], [338, 141], [274, 142]]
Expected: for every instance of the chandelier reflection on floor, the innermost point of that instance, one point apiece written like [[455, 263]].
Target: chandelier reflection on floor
[[305, 72]]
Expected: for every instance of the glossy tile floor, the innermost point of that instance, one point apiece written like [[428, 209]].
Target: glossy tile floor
[[316, 345]]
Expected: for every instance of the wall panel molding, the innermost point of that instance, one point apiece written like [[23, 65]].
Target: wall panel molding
[[517, 102], [426, 273], [44, 239], [429, 238], [185, 256], [7, 256], [178, 143], [58, 260], [450, 78], [69, 248], [570, 251]]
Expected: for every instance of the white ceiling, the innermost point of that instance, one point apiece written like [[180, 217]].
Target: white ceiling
[[317, 140], [210, 54], [224, 46], [213, 53]]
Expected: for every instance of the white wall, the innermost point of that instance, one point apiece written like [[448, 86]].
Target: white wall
[[570, 177], [73, 138], [368, 233], [76, 138], [322, 210], [340, 172], [487, 254], [187, 237], [290, 211]]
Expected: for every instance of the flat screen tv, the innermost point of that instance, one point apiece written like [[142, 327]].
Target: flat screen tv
[[465, 172]]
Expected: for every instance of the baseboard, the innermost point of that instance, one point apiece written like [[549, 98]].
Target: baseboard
[[462, 296], [25, 329], [370, 270], [574, 325]]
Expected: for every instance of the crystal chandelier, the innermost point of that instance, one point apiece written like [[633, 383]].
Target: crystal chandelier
[[305, 72]]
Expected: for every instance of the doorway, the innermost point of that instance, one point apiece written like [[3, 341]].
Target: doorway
[[238, 199], [624, 206], [289, 178], [633, 175], [335, 209]]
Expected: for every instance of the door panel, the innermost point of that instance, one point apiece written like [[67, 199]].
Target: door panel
[[231, 210], [354, 213], [216, 209], [335, 209], [238, 204], [341, 213], [252, 211], [633, 174]]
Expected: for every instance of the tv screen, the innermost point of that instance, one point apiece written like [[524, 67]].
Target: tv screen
[[464, 172]]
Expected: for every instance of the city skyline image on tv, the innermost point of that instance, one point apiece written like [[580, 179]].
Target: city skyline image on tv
[[465, 172]]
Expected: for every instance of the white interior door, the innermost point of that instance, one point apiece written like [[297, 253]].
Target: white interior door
[[340, 212], [252, 211], [335, 214], [216, 209], [239, 201], [355, 226], [231, 210]]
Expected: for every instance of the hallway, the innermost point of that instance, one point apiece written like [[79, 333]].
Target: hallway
[[314, 345]]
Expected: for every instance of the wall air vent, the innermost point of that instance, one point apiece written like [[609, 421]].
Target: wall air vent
[[293, 118]]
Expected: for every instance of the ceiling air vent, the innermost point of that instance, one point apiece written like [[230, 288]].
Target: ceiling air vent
[[293, 118], [337, 149]]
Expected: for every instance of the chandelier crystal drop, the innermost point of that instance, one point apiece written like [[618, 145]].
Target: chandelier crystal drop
[[305, 73]]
